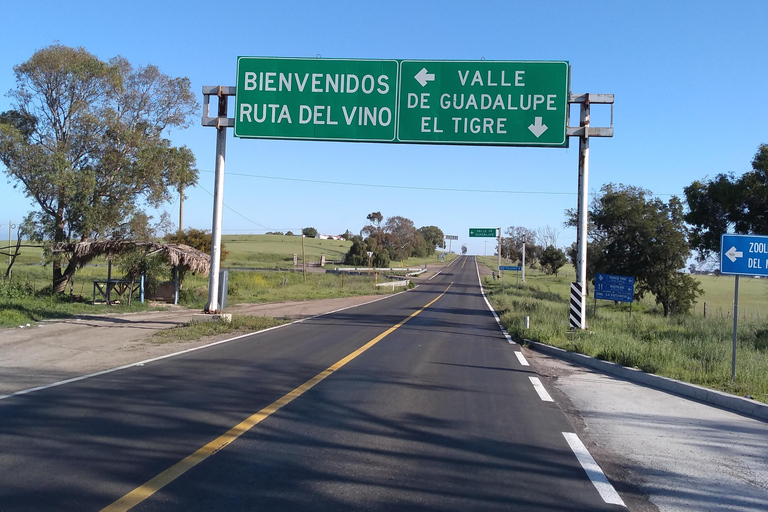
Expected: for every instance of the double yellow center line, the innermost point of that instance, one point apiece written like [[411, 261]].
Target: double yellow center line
[[149, 488]]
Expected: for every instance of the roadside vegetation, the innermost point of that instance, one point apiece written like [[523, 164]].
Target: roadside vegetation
[[240, 324], [28, 297], [687, 347]]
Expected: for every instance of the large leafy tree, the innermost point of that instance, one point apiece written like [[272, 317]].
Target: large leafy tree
[[434, 238], [552, 259], [728, 203], [86, 141], [635, 234]]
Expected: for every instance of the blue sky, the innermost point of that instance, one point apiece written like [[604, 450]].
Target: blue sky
[[690, 80]]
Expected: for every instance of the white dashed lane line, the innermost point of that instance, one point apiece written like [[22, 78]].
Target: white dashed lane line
[[539, 387], [595, 474], [521, 358]]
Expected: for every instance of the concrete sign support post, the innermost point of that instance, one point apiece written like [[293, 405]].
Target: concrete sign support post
[[581, 272], [221, 123], [584, 131], [735, 328]]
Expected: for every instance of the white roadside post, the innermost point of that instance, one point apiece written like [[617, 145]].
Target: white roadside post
[[221, 122]]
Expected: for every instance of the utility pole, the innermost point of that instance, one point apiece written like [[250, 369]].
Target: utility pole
[[523, 265], [181, 207], [499, 268], [303, 259]]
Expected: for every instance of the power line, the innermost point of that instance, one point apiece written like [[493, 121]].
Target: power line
[[236, 212], [406, 187]]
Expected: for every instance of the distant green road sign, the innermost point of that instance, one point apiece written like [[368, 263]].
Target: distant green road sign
[[482, 232], [523, 103], [316, 99]]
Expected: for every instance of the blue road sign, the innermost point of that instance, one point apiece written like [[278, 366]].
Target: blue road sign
[[615, 288], [745, 255], [510, 267]]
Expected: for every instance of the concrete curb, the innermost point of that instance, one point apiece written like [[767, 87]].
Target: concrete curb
[[733, 403]]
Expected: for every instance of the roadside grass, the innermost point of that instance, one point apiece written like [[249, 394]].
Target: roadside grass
[[194, 330], [689, 347], [259, 287], [275, 251], [20, 305], [261, 251]]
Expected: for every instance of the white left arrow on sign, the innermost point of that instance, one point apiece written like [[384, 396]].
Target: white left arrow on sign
[[537, 128], [423, 77], [732, 254]]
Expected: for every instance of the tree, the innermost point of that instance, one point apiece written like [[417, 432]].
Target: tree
[[434, 238], [375, 217], [547, 236], [309, 232], [641, 236], [728, 203], [405, 239], [552, 259], [358, 253], [85, 140], [512, 243]]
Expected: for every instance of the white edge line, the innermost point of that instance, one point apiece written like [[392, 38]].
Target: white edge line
[[495, 315], [174, 354], [595, 474], [539, 387], [521, 358]]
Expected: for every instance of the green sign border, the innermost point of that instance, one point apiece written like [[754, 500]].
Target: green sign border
[[475, 232], [328, 63], [397, 100], [562, 142]]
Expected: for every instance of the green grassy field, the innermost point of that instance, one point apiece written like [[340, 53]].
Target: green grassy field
[[685, 347], [23, 302], [275, 251]]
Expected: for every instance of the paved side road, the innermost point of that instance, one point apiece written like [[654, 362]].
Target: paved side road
[[686, 456]]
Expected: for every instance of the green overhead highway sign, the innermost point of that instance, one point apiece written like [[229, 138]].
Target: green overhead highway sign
[[516, 103], [482, 232], [316, 99], [484, 102]]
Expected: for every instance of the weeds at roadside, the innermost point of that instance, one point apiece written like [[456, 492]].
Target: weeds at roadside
[[685, 347], [192, 331]]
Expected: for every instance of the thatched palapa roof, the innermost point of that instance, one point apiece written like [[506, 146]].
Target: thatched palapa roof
[[176, 254]]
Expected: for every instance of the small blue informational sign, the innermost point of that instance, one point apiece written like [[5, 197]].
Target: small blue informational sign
[[744, 255], [510, 267], [615, 288]]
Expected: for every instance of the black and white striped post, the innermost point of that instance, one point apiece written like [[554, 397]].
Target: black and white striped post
[[578, 310]]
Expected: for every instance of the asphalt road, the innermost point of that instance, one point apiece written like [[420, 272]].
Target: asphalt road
[[416, 402]]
